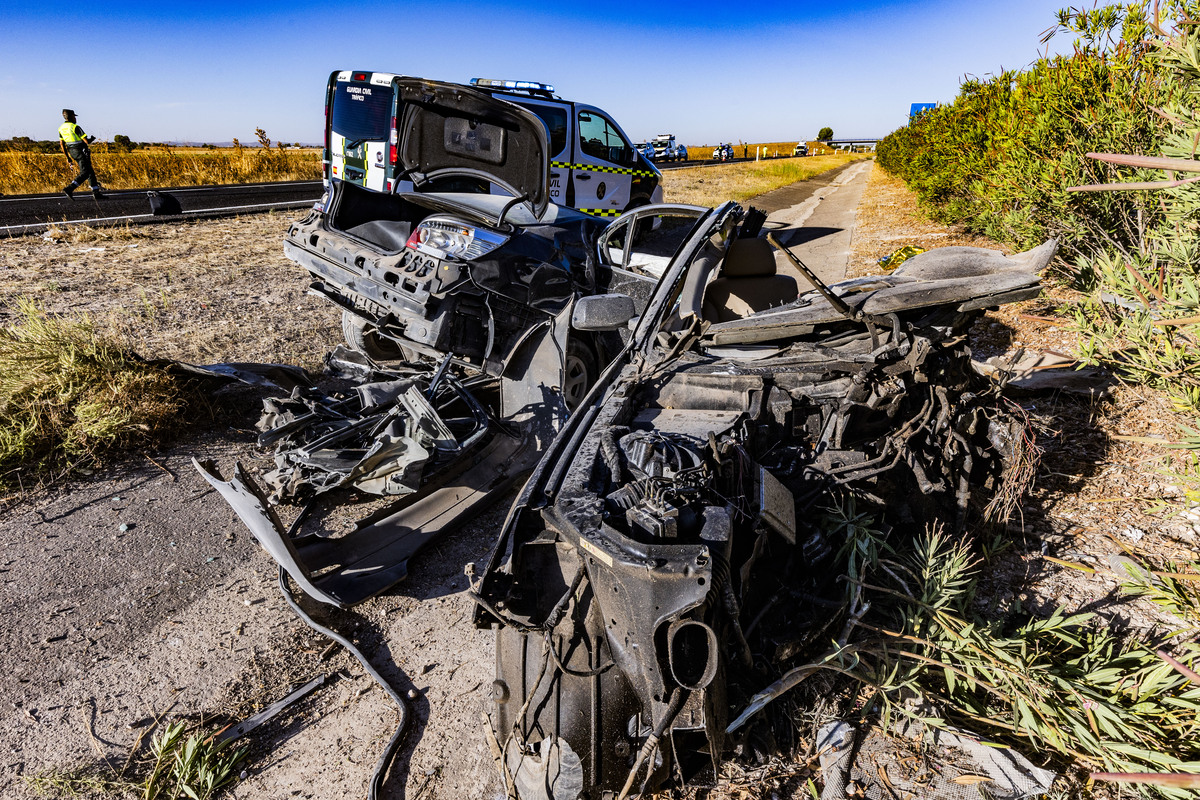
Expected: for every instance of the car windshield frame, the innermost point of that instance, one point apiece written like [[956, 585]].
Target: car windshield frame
[[670, 287]]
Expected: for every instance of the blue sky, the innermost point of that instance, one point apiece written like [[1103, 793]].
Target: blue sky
[[728, 71]]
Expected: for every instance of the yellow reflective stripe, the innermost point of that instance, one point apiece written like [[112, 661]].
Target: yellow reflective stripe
[[601, 212], [67, 133], [595, 168]]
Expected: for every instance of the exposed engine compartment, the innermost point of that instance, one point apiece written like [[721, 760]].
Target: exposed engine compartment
[[683, 563]]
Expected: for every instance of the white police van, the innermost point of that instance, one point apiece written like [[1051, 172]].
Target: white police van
[[593, 166]]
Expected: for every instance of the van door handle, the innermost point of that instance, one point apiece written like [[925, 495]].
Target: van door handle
[[584, 177]]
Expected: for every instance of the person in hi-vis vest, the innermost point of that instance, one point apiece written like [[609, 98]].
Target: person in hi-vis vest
[[74, 144]]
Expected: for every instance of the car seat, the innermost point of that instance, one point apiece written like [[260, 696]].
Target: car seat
[[747, 283]]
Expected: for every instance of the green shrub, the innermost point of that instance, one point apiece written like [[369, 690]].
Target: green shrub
[[1000, 158], [1003, 158]]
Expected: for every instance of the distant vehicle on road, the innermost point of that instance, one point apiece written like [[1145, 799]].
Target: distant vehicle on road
[[801, 149], [723, 152], [665, 148], [646, 149]]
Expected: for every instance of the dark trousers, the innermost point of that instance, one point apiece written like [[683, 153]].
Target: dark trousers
[[83, 160]]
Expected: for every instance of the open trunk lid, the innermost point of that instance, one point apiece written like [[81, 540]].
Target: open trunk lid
[[449, 130]]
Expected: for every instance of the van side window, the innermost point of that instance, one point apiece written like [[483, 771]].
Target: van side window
[[599, 138], [555, 120]]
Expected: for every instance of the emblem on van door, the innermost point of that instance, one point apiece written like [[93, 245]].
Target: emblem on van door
[[600, 191]]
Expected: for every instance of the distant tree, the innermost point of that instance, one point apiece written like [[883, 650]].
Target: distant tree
[[825, 134], [122, 143]]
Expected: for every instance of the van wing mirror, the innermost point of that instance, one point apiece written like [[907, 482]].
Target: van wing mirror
[[602, 312]]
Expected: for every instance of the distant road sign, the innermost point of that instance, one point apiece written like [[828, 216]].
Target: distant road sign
[[917, 108]]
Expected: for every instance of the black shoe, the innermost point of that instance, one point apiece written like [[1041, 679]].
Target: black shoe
[[96, 193], [69, 191]]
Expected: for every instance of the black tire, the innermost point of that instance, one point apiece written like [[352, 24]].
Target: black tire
[[360, 335], [579, 372]]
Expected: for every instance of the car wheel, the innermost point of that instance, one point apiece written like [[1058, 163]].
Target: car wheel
[[369, 343], [579, 372]]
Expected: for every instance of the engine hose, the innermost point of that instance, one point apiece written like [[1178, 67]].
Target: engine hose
[[674, 706], [393, 745], [722, 588]]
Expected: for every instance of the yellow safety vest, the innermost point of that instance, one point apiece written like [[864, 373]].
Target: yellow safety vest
[[69, 132]]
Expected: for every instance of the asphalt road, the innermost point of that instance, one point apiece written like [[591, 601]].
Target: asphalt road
[[33, 213], [24, 214]]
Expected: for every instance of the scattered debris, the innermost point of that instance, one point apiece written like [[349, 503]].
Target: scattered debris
[[916, 761], [443, 444], [235, 732]]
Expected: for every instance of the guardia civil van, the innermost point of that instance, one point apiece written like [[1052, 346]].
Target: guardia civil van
[[594, 168], [458, 222]]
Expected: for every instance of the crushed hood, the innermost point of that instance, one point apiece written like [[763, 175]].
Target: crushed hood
[[450, 130]]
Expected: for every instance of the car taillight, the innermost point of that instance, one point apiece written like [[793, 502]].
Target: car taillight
[[444, 238], [392, 141]]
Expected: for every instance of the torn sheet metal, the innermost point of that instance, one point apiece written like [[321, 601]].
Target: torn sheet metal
[[1031, 372], [442, 444], [672, 558], [269, 376], [953, 765]]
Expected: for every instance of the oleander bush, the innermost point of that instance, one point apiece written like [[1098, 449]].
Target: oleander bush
[[1008, 157], [1000, 158]]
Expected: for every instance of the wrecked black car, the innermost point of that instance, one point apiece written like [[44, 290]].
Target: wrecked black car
[[668, 559], [490, 310], [441, 438], [464, 254]]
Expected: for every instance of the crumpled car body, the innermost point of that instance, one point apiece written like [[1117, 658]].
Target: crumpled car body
[[668, 556], [446, 435]]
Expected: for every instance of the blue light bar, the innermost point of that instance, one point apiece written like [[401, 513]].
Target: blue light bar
[[501, 84]]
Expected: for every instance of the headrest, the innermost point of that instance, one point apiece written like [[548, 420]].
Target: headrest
[[749, 258]]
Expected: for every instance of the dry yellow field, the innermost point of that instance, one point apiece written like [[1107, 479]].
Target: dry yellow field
[[33, 173], [703, 152]]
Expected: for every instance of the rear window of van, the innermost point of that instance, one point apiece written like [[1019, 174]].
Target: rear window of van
[[362, 112]]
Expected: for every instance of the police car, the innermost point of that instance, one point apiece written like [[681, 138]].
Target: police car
[[594, 168]]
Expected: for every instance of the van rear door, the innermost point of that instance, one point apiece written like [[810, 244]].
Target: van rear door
[[360, 135]]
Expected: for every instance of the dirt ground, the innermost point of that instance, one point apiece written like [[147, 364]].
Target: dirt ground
[[134, 593]]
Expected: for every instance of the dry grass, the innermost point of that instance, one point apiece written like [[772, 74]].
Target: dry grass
[[711, 186], [69, 394], [33, 173], [889, 218], [203, 292]]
